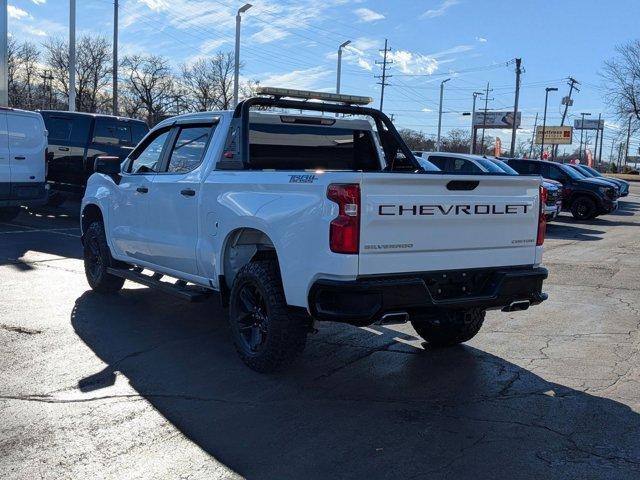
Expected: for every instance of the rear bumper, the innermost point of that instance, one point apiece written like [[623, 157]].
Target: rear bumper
[[365, 300], [26, 194]]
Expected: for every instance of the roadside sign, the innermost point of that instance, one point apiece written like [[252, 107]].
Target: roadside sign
[[495, 119], [555, 135], [588, 124], [497, 149]]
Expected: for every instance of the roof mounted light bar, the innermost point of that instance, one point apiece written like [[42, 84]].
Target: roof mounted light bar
[[311, 95]]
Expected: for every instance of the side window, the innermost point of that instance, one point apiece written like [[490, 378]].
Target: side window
[[189, 148], [556, 174], [440, 162], [25, 132], [464, 166], [148, 159], [59, 128], [111, 132], [138, 131]]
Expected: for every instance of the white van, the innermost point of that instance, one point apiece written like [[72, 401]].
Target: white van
[[23, 149]]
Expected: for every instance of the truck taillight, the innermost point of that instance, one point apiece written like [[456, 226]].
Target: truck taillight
[[344, 231], [542, 219]]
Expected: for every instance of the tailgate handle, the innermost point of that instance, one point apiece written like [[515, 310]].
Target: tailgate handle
[[465, 185]]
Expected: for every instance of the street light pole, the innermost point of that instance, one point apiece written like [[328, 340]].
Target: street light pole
[[342, 45], [72, 55], [440, 112], [472, 147], [4, 70], [236, 65], [544, 118], [582, 133]]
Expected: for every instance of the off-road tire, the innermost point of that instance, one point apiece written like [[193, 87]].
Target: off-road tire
[[447, 329], [584, 208], [9, 213], [282, 336], [97, 257]]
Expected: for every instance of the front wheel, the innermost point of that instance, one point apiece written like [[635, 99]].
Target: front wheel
[[97, 258], [583, 208], [449, 328], [266, 336]]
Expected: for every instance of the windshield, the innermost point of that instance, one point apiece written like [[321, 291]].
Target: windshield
[[572, 172], [505, 167], [583, 170], [493, 167], [595, 172]]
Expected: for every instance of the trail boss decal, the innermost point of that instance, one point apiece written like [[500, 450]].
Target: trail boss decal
[[444, 210], [302, 178]]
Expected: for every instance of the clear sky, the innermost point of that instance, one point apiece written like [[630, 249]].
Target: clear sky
[[293, 43]]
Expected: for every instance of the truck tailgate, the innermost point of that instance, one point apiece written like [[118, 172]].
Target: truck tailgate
[[430, 222]]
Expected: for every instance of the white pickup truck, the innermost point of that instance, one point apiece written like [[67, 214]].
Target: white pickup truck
[[298, 218]]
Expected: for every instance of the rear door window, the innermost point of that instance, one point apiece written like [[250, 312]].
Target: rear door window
[[68, 130], [59, 128], [189, 148], [112, 132]]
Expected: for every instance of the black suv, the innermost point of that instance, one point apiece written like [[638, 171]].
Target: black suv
[[77, 139], [585, 198]]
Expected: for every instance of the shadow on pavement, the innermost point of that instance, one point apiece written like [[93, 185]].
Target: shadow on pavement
[[566, 231], [355, 405], [45, 230]]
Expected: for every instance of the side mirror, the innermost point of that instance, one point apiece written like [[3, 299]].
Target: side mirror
[[107, 165]]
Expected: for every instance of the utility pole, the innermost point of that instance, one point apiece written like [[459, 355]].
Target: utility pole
[[472, 147], [4, 70], [626, 157], [613, 141], [384, 75], [440, 113], [72, 55], [115, 57], [581, 134], [484, 118], [544, 118], [595, 148], [533, 136], [515, 108], [47, 75], [601, 143], [572, 86]]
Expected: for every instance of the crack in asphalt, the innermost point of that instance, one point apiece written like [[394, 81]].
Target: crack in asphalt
[[19, 329]]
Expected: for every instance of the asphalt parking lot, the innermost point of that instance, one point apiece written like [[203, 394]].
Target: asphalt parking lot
[[145, 386]]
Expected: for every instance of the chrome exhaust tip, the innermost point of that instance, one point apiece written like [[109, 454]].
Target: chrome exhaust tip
[[518, 305], [393, 318]]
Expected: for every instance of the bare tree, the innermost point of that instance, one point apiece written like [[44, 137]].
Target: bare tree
[[23, 74], [209, 82], [149, 80], [417, 140], [622, 81], [457, 140], [93, 70]]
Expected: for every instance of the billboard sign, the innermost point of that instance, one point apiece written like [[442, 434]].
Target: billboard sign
[[495, 120], [588, 124], [555, 135]]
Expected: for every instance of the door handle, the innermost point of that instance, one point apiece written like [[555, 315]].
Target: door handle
[[19, 158], [188, 192], [142, 189], [63, 149]]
